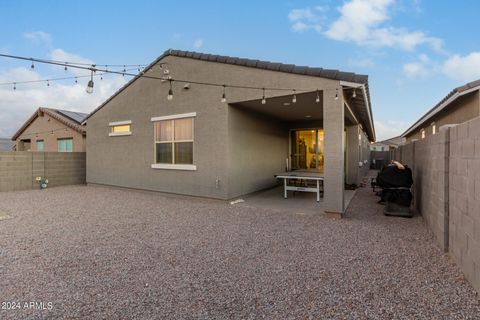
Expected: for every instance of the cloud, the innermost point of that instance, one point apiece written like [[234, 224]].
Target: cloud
[[38, 37], [419, 69], [389, 129], [17, 105], [63, 56], [306, 19], [415, 70], [463, 68], [363, 22], [361, 63], [197, 44]]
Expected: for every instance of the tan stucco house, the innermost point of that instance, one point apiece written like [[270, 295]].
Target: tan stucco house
[[221, 127], [460, 105], [52, 130]]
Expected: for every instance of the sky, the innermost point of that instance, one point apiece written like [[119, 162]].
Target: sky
[[414, 51]]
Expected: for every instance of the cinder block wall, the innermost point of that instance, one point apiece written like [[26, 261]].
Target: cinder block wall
[[464, 222], [18, 170], [446, 170]]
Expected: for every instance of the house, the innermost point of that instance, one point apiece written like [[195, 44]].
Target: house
[[460, 105], [221, 127], [52, 130], [6, 144], [387, 145]]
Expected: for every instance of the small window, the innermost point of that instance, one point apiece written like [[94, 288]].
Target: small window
[[174, 143], [39, 145], [65, 145], [120, 128]]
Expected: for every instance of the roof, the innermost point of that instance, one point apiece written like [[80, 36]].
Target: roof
[[259, 64], [347, 77], [71, 119], [395, 141], [444, 103]]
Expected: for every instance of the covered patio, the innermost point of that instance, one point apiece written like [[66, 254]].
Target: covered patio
[[326, 134]]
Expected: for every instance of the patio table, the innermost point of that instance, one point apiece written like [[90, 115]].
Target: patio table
[[302, 175]]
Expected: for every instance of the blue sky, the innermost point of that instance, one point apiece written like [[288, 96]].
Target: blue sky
[[414, 51]]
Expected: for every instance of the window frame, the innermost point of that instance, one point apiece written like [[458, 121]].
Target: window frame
[[173, 165], [64, 139], [43, 144], [111, 125]]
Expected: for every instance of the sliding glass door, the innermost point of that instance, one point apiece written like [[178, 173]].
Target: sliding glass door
[[306, 149]]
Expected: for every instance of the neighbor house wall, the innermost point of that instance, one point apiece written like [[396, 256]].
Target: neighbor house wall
[[126, 161], [49, 130], [446, 170], [19, 170], [463, 109]]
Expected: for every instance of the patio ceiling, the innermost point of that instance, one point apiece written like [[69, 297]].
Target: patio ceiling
[[283, 109]]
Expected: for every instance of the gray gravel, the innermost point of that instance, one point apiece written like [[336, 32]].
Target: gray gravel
[[97, 252]]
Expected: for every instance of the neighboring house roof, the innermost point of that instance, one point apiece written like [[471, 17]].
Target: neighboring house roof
[[266, 65], [71, 119], [444, 103], [394, 142], [6, 144]]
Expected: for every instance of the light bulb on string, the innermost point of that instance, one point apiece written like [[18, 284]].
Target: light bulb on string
[[336, 94], [224, 98], [76, 80], [89, 88], [48, 83], [32, 66], [294, 99], [354, 95], [14, 86], [264, 100], [124, 70], [170, 92], [66, 66], [317, 99]]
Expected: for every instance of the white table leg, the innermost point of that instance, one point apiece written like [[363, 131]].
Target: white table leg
[[318, 190], [285, 188]]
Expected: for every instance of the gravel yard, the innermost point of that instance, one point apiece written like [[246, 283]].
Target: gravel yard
[[95, 252]]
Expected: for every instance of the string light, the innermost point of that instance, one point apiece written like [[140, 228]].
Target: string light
[[32, 66], [14, 86], [66, 66], [123, 72], [354, 95], [89, 89], [224, 98], [170, 92]]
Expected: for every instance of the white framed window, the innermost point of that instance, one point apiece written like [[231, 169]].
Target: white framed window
[[120, 128], [65, 145], [173, 142]]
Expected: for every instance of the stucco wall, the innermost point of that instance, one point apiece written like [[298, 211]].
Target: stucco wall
[[41, 129], [446, 169], [463, 109], [258, 147], [18, 170], [126, 161]]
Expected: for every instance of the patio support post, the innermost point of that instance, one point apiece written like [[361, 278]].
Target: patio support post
[[334, 158], [353, 154]]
